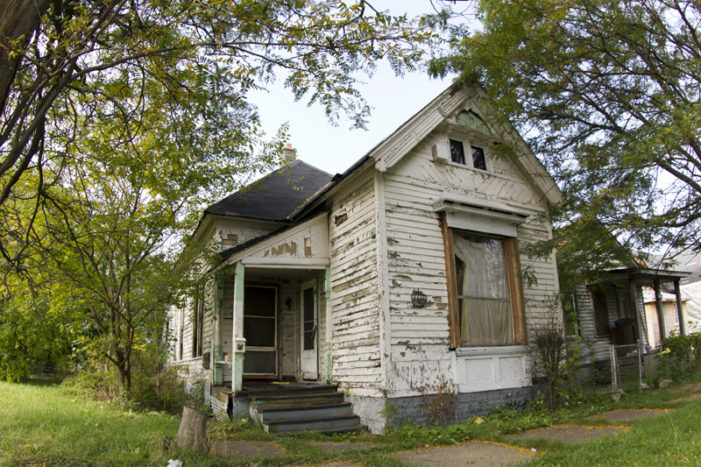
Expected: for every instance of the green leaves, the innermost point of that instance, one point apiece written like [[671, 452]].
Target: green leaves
[[611, 89]]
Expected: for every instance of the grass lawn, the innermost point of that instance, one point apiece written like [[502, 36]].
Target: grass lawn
[[44, 425]]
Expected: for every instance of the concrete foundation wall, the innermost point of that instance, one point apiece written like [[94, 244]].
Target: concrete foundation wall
[[373, 411]]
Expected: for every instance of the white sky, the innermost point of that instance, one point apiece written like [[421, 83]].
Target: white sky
[[393, 101]]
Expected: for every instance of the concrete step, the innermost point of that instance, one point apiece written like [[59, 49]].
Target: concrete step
[[331, 424], [273, 415]]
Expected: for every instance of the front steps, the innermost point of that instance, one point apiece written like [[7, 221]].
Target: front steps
[[303, 408]]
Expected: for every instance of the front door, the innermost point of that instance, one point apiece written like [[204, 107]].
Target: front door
[[260, 330], [309, 331]]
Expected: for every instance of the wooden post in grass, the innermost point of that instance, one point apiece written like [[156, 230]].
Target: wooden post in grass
[[192, 433]]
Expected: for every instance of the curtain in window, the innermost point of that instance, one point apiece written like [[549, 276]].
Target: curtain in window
[[483, 291]]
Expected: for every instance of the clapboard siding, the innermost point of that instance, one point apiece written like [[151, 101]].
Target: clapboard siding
[[415, 255], [355, 299]]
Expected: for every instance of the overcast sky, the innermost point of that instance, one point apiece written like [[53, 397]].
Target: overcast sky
[[393, 101]]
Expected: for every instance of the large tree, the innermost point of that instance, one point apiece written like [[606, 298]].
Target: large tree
[[63, 60], [608, 93], [119, 119]]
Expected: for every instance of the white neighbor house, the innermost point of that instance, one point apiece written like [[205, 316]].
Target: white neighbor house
[[394, 279]]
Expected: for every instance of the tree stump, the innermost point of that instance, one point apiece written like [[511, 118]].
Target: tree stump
[[192, 433]]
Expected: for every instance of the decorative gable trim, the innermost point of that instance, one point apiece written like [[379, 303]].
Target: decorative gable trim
[[390, 151]]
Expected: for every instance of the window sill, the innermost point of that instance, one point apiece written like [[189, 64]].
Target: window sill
[[465, 166], [497, 350]]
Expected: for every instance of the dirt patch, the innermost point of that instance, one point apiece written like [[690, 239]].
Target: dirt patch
[[628, 415], [478, 453], [569, 434], [245, 449], [332, 446]]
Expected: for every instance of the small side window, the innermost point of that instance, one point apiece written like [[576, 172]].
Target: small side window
[[457, 152]]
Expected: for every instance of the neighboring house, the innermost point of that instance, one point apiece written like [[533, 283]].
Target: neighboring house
[[397, 279], [616, 310]]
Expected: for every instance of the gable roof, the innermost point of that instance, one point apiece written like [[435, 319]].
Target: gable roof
[[393, 148], [276, 196]]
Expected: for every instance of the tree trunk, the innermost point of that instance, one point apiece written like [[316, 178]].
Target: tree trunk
[[192, 433]]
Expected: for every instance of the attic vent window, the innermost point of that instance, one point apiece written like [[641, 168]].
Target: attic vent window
[[473, 121], [457, 154]]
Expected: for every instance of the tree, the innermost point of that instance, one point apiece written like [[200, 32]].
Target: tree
[[66, 61], [120, 120], [608, 93]]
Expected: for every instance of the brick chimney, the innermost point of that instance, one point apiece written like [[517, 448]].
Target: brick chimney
[[289, 154]]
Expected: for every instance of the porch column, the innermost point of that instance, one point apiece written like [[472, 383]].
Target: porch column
[[218, 376], [238, 341], [660, 311], [680, 312]]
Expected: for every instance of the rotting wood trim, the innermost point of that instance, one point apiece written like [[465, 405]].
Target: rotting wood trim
[[451, 282], [513, 267]]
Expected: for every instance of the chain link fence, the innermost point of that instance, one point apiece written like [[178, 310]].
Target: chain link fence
[[627, 368]]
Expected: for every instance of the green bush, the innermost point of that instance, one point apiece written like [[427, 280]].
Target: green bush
[[681, 356]]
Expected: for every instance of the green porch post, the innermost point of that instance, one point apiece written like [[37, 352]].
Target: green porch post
[[238, 341]]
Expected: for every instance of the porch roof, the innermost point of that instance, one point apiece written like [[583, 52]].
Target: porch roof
[[644, 276], [304, 245]]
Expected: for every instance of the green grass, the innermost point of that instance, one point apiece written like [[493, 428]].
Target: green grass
[[42, 424], [672, 439], [45, 425]]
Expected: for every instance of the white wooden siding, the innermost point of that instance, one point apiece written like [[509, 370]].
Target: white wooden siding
[[355, 298], [420, 355]]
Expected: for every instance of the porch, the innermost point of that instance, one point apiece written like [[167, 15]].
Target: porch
[[269, 322]]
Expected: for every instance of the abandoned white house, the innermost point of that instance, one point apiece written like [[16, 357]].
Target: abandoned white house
[[397, 279]]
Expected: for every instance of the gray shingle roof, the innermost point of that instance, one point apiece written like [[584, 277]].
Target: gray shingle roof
[[275, 196]]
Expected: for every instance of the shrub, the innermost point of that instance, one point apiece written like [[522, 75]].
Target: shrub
[[558, 362], [681, 356]]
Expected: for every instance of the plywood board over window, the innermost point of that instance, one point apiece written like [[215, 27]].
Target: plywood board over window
[[485, 294]]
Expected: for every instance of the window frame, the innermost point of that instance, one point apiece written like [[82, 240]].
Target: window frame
[[468, 143], [513, 277]]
